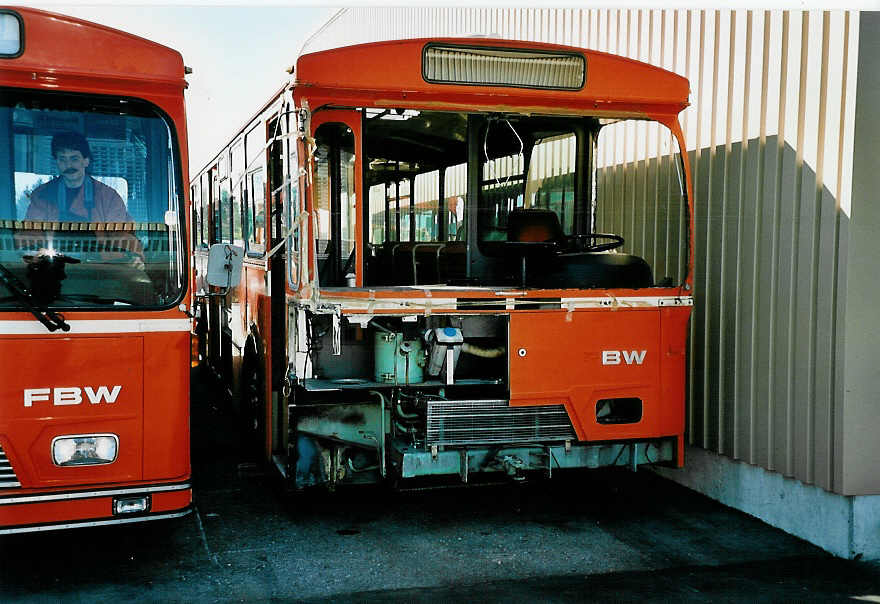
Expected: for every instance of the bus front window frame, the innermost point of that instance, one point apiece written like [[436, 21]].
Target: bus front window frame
[[138, 242]]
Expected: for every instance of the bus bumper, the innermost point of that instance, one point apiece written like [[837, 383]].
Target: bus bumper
[[523, 458], [35, 512]]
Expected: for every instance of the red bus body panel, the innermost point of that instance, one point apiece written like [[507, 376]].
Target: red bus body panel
[[557, 357]]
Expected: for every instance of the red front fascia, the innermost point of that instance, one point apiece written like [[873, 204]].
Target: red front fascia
[[45, 394], [149, 415], [582, 357]]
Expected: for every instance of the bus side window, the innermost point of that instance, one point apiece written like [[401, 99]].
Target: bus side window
[[334, 202], [205, 234], [455, 194], [238, 191], [255, 221], [225, 210], [426, 199], [195, 193]]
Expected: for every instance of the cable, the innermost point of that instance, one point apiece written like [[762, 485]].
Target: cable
[[486, 150]]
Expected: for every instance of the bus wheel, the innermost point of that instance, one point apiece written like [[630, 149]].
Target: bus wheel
[[253, 407]]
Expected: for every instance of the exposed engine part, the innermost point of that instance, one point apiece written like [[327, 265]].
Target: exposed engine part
[[352, 467], [379, 326], [473, 422], [398, 360], [512, 466], [477, 326], [486, 353], [439, 341], [400, 413]]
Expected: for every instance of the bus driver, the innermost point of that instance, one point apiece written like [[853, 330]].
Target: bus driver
[[74, 196]]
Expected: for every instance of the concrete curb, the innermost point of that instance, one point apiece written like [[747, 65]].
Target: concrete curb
[[846, 526]]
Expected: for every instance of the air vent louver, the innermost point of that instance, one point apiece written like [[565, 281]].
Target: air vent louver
[[8, 479], [503, 67], [495, 421]]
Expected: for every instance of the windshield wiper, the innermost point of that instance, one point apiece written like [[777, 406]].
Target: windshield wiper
[[52, 320]]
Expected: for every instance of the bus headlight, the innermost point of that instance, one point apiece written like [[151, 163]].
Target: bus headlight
[[85, 449]]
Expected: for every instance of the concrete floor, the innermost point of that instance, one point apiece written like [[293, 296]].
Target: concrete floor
[[594, 536]]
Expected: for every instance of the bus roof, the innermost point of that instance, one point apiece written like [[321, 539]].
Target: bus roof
[[59, 45], [391, 71]]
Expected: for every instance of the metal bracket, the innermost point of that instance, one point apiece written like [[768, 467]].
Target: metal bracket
[[677, 301], [337, 332], [464, 465]]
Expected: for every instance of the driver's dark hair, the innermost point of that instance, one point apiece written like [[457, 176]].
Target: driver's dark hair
[[70, 140]]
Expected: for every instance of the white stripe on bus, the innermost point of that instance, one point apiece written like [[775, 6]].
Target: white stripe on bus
[[39, 498], [34, 327]]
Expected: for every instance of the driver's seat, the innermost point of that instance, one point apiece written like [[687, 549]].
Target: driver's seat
[[534, 225], [550, 269], [535, 239]]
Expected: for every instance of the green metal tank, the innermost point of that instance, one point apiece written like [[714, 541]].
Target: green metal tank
[[398, 361]]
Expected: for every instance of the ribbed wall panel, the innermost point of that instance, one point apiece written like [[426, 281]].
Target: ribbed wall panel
[[770, 141]]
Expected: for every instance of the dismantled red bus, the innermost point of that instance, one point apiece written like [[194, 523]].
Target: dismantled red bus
[[94, 281], [460, 257]]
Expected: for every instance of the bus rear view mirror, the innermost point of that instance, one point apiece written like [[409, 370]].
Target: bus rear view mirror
[[224, 265]]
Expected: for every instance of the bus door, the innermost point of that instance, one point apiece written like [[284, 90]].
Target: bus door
[[339, 243], [213, 305], [277, 190], [201, 206], [230, 311]]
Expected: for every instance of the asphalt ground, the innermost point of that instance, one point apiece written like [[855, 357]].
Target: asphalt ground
[[585, 536]]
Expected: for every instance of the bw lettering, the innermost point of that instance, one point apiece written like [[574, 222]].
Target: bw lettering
[[630, 357]]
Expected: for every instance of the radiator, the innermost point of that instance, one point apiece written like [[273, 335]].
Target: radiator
[[495, 422]]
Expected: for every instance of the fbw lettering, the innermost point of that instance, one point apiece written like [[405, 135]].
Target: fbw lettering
[[630, 357], [71, 395]]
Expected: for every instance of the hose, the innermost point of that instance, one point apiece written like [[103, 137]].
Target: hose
[[403, 414], [486, 353]]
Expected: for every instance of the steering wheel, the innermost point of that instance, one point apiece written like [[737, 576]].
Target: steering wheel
[[613, 242]]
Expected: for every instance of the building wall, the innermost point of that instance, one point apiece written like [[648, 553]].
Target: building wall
[[770, 135], [857, 463]]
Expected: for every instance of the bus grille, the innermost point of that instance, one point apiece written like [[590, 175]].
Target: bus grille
[[495, 422], [8, 479]]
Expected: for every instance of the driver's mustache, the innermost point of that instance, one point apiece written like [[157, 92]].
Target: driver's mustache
[[70, 171]]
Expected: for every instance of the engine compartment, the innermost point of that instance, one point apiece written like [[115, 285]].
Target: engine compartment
[[428, 397]]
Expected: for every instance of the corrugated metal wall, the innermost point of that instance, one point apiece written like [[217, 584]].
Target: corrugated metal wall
[[769, 135], [640, 194]]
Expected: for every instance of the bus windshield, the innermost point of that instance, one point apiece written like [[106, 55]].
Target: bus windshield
[[559, 205], [90, 208]]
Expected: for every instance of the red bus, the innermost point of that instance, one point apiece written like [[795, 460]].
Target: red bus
[[462, 258], [94, 287]]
